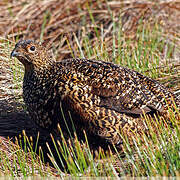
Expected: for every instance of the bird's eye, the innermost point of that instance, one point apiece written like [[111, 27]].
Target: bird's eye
[[32, 48]]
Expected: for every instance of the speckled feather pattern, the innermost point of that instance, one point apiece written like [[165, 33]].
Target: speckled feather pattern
[[104, 99]]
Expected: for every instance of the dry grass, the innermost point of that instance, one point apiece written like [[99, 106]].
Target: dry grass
[[12, 159], [53, 20]]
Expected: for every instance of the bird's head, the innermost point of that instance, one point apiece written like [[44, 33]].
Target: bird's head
[[31, 54]]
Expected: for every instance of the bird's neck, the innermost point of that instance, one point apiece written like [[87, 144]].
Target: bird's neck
[[39, 73], [39, 69]]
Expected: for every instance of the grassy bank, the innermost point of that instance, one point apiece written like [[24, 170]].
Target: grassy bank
[[143, 36]]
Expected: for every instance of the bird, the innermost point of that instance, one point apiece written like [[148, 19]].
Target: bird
[[102, 99]]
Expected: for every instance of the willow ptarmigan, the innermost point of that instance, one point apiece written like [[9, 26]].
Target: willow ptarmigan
[[103, 99]]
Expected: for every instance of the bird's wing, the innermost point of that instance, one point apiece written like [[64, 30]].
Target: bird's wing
[[122, 89]]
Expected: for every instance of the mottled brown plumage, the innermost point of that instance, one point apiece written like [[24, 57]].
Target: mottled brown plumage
[[104, 99]]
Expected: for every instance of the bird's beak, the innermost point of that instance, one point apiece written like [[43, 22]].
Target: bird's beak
[[14, 54]]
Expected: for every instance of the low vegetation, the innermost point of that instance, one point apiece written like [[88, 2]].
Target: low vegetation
[[143, 36]]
